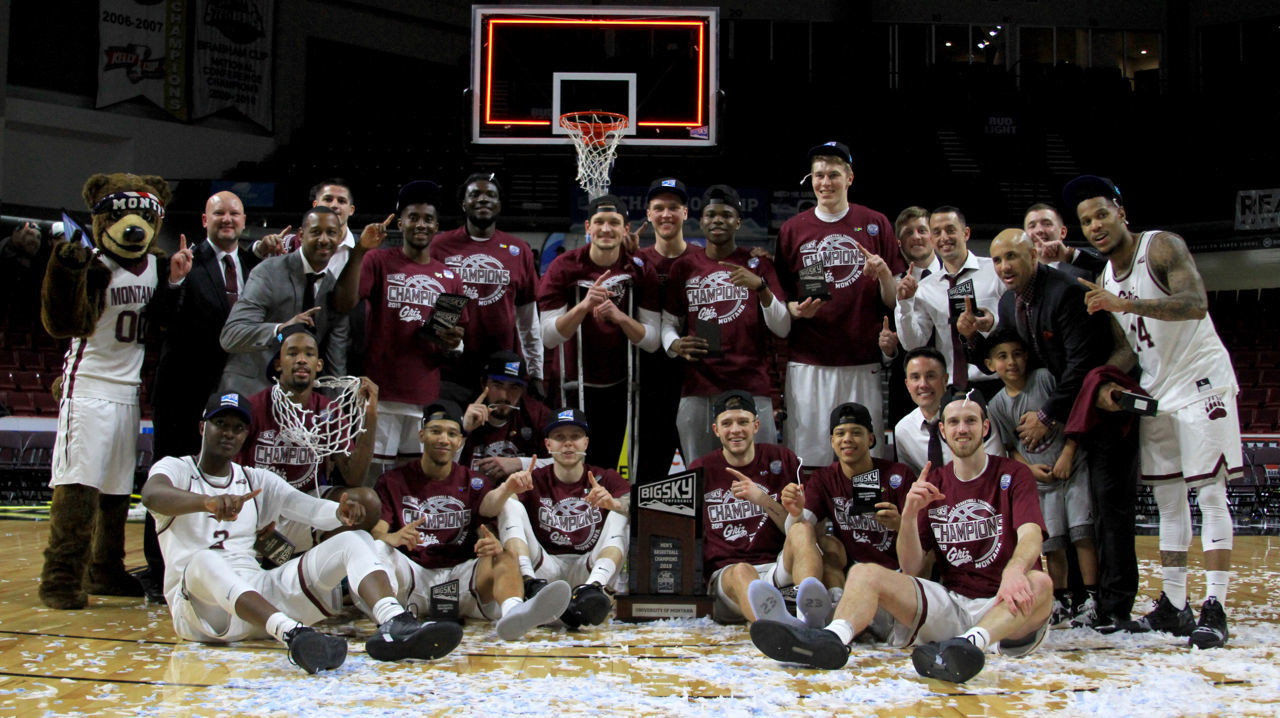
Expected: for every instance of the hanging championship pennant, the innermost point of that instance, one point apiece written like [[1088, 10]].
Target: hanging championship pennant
[[143, 53]]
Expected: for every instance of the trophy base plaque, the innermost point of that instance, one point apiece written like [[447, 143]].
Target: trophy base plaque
[[657, 607]]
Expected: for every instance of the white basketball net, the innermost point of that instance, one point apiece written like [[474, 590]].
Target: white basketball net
[[595, 136], [333, 429]]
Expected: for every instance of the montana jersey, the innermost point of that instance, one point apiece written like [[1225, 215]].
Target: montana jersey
[[108, 364]]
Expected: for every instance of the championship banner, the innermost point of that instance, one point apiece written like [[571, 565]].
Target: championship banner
[[143, 47], [1257, 209], [231, 58]]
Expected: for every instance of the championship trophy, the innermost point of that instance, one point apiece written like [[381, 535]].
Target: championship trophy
[[667, 556]]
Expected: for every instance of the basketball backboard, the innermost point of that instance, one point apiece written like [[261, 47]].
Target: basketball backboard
[[531, 64]]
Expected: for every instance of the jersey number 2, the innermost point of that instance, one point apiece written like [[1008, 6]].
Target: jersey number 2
[[220, 536]]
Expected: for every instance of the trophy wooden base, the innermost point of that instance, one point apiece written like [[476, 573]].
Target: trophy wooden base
[[655, 607]]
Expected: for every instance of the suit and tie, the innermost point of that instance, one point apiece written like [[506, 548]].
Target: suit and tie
[[274, 294]]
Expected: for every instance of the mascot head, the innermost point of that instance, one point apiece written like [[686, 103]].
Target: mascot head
[[127, 212]]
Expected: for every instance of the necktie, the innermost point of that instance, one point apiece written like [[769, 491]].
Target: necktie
[[959, 364], [229, 277], [924, 273], [309, 290], [1024, 318], [935, 445]]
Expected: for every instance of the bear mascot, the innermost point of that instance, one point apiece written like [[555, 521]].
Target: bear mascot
[[97, 297]]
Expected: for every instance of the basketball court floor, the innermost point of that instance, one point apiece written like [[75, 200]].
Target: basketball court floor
[[120, 658]]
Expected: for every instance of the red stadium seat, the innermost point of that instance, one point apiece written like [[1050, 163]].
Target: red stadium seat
[[30, 360], [1247, 414], [1248, 375], [27, 380], [45, 404], [39, 451], [11, 445], [22, 403], [1265, 420], [7, 382], [1252, 397], [9, 361], [16, 339]]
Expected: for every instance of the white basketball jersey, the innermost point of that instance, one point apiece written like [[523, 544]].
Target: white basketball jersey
[[182, 536], [1182, 361], [108, 364]]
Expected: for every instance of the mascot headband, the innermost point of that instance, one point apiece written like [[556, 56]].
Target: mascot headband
[[129, 200]]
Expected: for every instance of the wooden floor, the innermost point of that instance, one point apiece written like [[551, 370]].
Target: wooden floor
[[121, 658]]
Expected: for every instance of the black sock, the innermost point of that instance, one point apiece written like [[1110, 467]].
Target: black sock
[[1062, 595]]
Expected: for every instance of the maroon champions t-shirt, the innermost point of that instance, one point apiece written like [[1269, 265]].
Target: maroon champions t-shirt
[[829, 495], [566, 281], [974, 530], [563, 522], [499, 275], [520, 436], [401, 360], [736, 530], [451, 508], [844, 331], [265, 448], [661, 265], [699, 287]]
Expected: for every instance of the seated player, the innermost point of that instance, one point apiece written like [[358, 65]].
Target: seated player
[[431, 510], [980, 519], [742, 521], [580, 532], [1059, 467], [916, 437], [208, 511], [862, 496], [504, 424], [266, 447]]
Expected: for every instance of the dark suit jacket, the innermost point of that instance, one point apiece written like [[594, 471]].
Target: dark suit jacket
[[191, 359], [1064, 338], [272, 296]]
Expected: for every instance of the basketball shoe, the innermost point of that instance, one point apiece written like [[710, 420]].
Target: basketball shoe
[[314, 651], [404, 637], [955, 659], [1212, 631], [1164, 617]]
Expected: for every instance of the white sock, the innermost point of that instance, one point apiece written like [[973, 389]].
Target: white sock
[[279, 624], [386, 609], [526, 566], [841, 628], [1175, 585], [978, 636], [837, 592], [602, 572], [510, 603], [1215, 585]]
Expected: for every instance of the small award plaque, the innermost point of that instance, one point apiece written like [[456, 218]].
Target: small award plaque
[[709, 329], [274, 548], [444, 601], [447, 312], [866, 492], [812, 282]]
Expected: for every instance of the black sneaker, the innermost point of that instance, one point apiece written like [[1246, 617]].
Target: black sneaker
[[955, 659], [1212, 631], [404, 637], [1061, 615], [532, 586], [1164, 617], [588, 606], [313, 651], [152, 588], [814, 647]]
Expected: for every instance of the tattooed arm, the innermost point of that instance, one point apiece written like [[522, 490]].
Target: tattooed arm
[[1175, 270]]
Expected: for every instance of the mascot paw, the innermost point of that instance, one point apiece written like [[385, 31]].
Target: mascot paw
[[63, 598], [73, 256]]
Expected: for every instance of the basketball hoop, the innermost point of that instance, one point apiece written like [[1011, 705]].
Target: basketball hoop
[[595, 136], [334, 428]]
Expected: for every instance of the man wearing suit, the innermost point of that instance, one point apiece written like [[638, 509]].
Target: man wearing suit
[[288, 289], [1043, 224], [1046, 308]]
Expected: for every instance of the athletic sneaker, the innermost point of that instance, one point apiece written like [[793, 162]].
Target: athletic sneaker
[[1061, 615], [789, 643], [314, 651], [955, 659], [546, 606], [533, 585], [588, 606], [1212, 631], [1085, 614], [768, 604], [405, 637], [1164, 617], [814, 602]]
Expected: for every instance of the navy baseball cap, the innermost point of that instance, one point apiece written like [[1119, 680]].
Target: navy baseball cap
[[832, 149], [733, 400], [506, 366], [667, 185], [568, 417], [1087, 187], [442, 410], [418, 192], [233, 402], [606, 203], [851, 413], [722, 194]]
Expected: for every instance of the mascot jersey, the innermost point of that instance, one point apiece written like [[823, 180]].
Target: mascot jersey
[[108, 364]]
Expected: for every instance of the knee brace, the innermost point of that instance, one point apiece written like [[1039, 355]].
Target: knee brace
[[1216, 528], [1175, 516]]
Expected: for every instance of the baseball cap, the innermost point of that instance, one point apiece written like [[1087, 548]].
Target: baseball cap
[[1087, 187], [832, 149], [606, 203], [667, 185], [234, 402], [568, 417], [733, 400], [723, 194], [418, 192], [57, 229], [442, 410], [851, 413], [506, 366]]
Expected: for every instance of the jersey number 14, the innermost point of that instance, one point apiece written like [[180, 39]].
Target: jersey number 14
[[1139, 329]]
